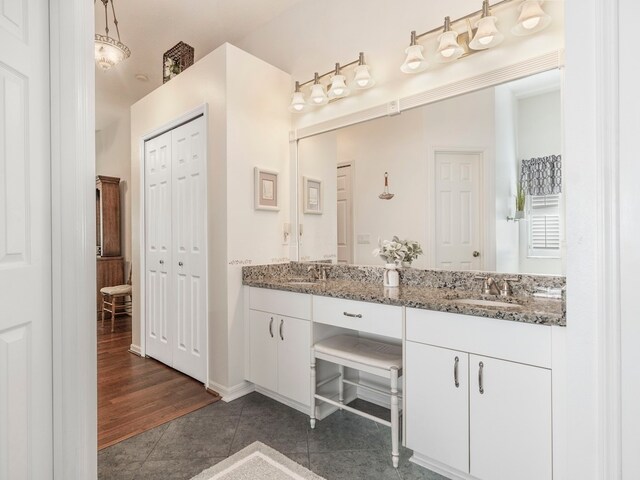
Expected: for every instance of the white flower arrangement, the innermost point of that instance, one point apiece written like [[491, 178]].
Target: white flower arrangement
[[398, 251]]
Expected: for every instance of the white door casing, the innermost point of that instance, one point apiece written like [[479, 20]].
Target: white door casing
[[188, 222], [26, 417], [345, 214], [159, 267], [458, 210]]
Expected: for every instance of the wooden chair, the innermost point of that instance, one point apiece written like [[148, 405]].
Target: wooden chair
[[375, 357], [110, 301]]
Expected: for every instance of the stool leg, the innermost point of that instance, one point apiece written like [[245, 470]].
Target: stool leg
[[395, 419], [114, 302], [341, 384], [312, 413]]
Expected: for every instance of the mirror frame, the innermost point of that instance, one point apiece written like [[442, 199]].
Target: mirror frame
[[542, 63]]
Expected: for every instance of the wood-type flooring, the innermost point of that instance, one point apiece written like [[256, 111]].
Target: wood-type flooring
[[137, 394]]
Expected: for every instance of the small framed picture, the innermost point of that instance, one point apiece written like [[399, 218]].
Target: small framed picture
[[312, 189], [265, 189]]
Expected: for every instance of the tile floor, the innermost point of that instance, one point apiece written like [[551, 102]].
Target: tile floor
[[343, 446]]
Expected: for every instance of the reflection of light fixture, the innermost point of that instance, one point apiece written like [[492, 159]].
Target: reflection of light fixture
[[385, 195], [298, 102], [448, 47], [532, 18], [337, 87], [109, 51], [415, 61], [484, 34], [487, 34]]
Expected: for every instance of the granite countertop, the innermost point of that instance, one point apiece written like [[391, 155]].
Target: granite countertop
[[527, 309]]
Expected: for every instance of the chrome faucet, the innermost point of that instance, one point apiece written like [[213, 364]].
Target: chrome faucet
[[318, 271]]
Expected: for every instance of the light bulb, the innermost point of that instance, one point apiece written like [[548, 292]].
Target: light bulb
[[338, 87], [486, 40], [448, 47], [318, 95], [487, 35], [414, 62], [447, 52], [362, 78], [297, 102], [532, 18]]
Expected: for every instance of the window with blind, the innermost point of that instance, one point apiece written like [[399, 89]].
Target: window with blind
[[544, 226]]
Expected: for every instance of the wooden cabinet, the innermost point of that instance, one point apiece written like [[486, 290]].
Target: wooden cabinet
[[279, 344], [108, 216], [489, 418]]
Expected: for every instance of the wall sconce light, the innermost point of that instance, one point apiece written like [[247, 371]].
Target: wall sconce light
[[484, 34], [532, 18], [386, 195], [338, 87]]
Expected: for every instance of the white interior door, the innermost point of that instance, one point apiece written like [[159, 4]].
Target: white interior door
[[458, 211], [158, 301], [188, 246], [510, 420], [345, 215], [26, 422]]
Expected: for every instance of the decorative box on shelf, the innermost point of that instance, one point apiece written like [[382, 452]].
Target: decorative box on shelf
[[176, 60]]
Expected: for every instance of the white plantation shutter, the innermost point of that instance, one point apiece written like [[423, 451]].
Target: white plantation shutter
[[544, 226]]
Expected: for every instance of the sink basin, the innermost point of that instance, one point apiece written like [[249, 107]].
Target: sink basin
[[486, 303]]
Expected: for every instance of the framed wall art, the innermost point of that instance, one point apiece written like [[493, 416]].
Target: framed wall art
[[266, 189], [312, 189]]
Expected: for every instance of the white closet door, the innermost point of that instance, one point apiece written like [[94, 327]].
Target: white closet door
[[158, 301], [188, 248]]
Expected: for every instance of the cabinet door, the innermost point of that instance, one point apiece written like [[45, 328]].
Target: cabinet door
[[158, 299], [264, 349], [294, 359], [510, 420], [437, 405], [188, 222]]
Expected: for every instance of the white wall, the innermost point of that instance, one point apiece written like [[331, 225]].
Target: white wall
[[113, 158], [245, 129], [402, 145]]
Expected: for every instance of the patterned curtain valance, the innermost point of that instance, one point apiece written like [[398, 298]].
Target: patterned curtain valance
[[542, 176]]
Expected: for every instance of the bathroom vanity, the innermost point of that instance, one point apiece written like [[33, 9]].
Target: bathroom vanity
[[478, 370]]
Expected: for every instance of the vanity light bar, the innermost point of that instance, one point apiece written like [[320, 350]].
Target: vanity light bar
[[481, 36], [338, 87]]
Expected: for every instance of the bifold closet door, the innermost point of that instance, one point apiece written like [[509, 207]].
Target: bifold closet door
[[158, 248], [188, 247]]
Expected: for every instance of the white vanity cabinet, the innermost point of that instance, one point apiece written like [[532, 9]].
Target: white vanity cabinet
[[279, 341], [478, 403]]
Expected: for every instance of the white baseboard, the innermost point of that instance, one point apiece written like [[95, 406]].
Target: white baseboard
[[135, 349], [440, 468], [229, 394]]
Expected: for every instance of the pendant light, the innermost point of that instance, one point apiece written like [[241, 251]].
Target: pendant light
[[338, 87], [108, 51], [532, 18], [487, 34], [386, 195], [414, 62], [362, 78], [298, 103], [448, 47], [318, 94]]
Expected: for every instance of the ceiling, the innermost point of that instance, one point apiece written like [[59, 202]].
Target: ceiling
[[151, 27]]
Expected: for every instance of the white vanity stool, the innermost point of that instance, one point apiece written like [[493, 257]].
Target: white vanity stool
[[375, 357]]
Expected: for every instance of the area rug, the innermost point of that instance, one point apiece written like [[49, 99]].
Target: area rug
[[257, 462]]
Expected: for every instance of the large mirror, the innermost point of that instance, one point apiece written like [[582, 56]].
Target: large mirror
[[476, 180]]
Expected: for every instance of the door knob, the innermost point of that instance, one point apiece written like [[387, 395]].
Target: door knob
[[161, 262], [180, 264], [476, 253]]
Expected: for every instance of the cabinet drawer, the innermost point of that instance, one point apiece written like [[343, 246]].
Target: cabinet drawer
[[363, 316], [290, 304], [518, 342]]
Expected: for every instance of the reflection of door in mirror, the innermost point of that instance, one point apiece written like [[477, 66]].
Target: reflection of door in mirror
[[458, 210], [345, 214]]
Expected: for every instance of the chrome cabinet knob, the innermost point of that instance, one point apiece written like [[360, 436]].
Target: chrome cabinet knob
[[476, 253], [180, 264], [161, 262]]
